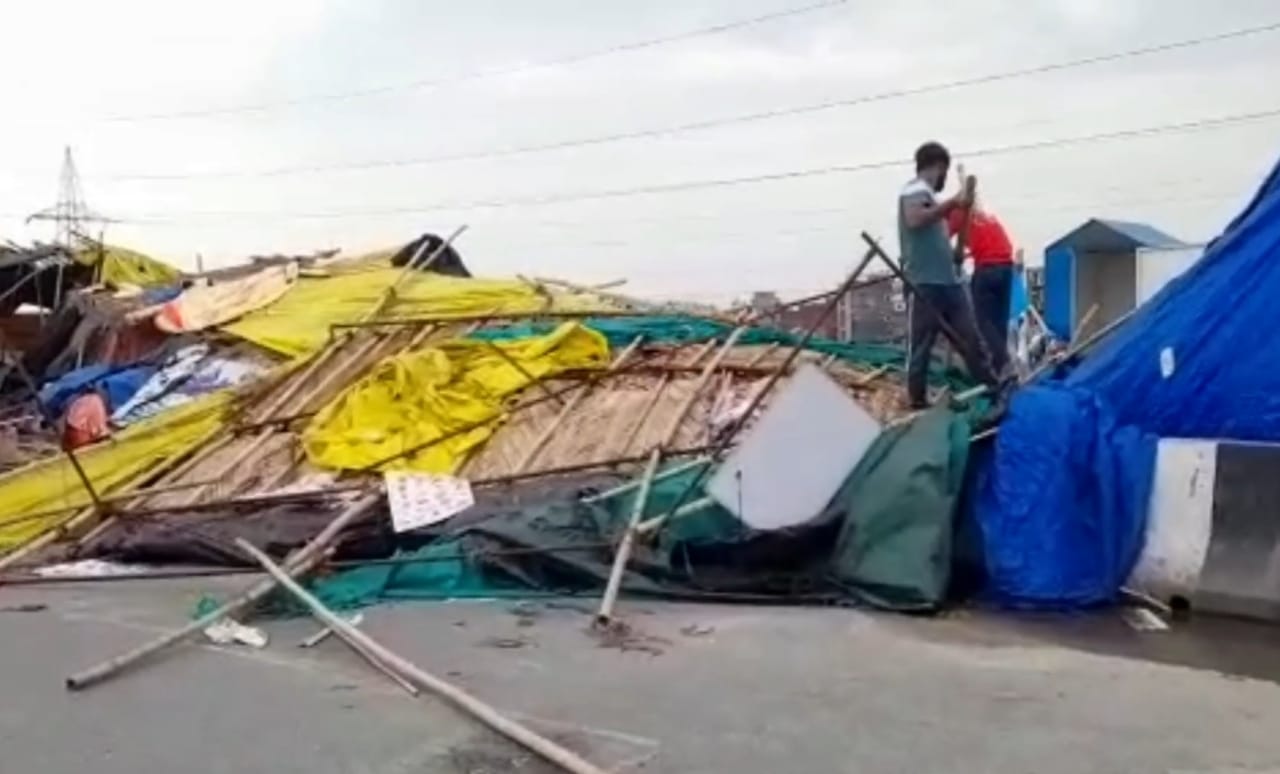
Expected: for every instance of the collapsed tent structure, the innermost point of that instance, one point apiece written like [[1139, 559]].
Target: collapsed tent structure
[[500, 426], [260, 404]]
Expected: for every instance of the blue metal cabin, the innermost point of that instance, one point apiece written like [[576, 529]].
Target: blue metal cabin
[[1096, 264]]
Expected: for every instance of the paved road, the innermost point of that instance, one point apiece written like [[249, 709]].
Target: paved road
[[696, 689]]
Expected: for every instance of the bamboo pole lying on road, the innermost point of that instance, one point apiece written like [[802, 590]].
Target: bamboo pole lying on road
[[517, 732], [297, 564]]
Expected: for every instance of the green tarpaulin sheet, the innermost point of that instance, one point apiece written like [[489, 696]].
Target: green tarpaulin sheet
[[621, 331], [900, 504], [885, 540]]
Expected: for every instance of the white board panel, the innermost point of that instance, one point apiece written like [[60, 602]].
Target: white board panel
[[1157, 268], [792, 461], [1179, 519]]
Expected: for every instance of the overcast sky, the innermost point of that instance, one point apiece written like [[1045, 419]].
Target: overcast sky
[[107, 78]]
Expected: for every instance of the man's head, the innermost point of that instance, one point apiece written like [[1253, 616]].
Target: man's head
[[932, 163]]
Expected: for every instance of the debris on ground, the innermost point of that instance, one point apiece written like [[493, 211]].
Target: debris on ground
[[390, 427]]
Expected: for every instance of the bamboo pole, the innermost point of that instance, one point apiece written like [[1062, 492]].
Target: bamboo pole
[[649, 526], [661, 476], [360, 650], [970, 185], [390, 292], [110, 499], [454, 433], [249, 500], [261, 438], [954, 338], [539, 384], [168, 471], [549, 750], [1084, 322], [669, 435], [51, 419], [382, 667], [762, 354], [604, 616], [47, 538], [495, 314], [657, 396], [335, 373], [544, 437], [318, 359], [871, 376], [297, 564], [1076, 349], [333, 346], [288, 419]]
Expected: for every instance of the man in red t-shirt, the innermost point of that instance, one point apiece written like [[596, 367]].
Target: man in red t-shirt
[[992, 252]]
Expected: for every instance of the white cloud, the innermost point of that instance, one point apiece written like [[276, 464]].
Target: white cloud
[[143, 57]]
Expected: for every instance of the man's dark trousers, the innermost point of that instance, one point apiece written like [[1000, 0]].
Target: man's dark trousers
[[951, 303], [991, 286]]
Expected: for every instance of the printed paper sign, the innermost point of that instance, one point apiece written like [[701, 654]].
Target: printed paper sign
[[422, 499]]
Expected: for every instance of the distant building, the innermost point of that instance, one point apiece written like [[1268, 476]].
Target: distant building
[[873, 311]]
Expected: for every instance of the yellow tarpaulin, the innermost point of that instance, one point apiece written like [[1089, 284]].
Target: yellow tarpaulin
[[54, 483], [410, 399], [121, 266], [299, 322]]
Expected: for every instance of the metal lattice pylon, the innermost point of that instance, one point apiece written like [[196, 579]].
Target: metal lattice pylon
[[70, 215]]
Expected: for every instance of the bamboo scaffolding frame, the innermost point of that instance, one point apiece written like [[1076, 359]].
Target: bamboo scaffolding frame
[[265, 435], [657, 396], [669, 435], [545, 436]]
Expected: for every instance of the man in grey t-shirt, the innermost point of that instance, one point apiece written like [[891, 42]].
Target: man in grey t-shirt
[[929, 264]]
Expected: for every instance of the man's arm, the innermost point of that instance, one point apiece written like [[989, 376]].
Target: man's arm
[[921, 209]]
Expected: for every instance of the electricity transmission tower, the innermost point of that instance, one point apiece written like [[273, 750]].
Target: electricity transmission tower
[[70, 215], [71, 218]]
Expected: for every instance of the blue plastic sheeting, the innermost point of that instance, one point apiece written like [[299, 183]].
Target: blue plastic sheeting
[[1216, 328], [118, 385], [1019, 298], [1062, 503], [1062, 506], [161, 294]]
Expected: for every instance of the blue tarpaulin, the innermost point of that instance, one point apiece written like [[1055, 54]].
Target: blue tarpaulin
[[118, 383], [1062, 502]]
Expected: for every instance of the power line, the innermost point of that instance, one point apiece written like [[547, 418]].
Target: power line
[[696, 126], [665, 240], [690, 185], [433, 83]]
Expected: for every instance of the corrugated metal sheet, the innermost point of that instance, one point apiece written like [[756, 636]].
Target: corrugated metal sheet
[[1143, 235]]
